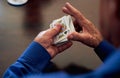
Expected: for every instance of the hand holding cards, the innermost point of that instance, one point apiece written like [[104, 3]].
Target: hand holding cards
[[67, 28]]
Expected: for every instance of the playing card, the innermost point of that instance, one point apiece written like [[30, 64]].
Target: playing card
[[67, 28]]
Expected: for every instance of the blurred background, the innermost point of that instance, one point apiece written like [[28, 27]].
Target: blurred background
[[20, 24]]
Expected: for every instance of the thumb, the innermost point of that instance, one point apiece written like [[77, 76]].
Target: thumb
[[54, 31], [75, 36]]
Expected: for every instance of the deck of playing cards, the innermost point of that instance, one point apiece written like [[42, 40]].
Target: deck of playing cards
[[67, 28]]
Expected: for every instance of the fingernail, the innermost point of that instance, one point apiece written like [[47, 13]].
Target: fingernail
[[58, 26], [67, 3]]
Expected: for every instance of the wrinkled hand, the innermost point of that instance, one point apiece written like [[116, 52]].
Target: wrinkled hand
[[89, 35], [45, 38]]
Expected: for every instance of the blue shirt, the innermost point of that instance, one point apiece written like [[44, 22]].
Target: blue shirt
[[35, 58]]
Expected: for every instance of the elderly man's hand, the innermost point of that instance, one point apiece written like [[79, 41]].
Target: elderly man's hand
[[45, 38], [89, 35]]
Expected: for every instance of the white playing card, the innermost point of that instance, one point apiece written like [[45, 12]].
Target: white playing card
[[68, 27]]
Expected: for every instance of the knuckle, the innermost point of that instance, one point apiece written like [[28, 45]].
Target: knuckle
[[74, 33], [54, 30], [77, 13]]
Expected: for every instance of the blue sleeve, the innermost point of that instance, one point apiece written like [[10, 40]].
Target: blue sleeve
[[33, 60], [110, 69], [104, 49]]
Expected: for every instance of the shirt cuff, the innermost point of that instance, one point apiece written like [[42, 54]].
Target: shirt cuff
[[104, 49], [35, 56]]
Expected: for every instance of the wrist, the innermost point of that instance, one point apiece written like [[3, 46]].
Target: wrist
[[98, 42], [46, 47]]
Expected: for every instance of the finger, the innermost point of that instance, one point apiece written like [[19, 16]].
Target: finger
[[76, 36], [54, 31], [74, 12], [76, 24], [64, 46], [65, 10]]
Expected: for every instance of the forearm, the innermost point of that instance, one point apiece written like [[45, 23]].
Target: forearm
[[104, 49], [110, 69], [33, 60]]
